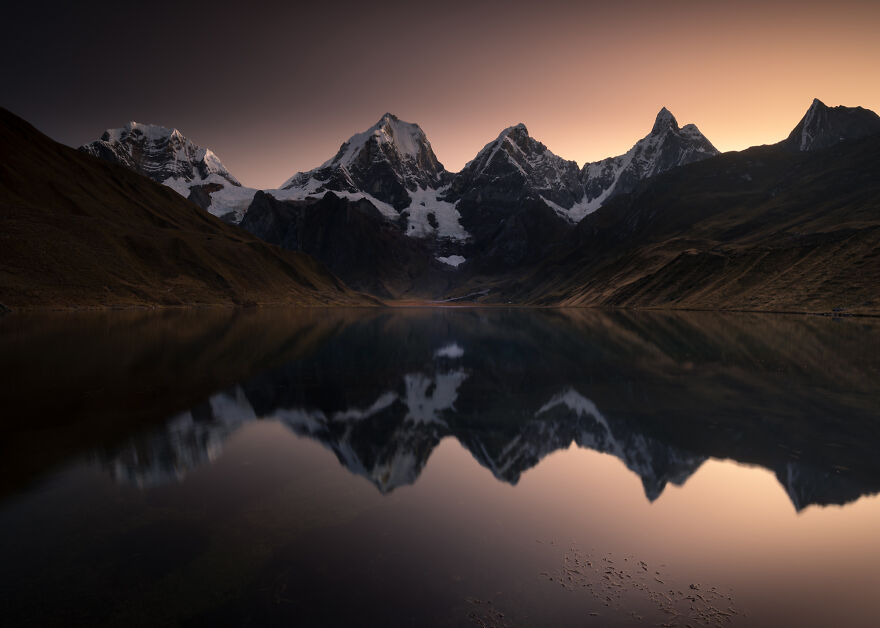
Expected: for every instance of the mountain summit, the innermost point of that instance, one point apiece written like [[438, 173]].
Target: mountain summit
[[387, 161], [823, 126], [664, 120], [392, 165], [166, 156], [515, 166], [159, 153], [666, 146]]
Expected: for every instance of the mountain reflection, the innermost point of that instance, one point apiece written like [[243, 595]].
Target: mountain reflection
[[661, 392]]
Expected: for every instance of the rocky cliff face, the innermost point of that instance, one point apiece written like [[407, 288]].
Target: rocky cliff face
[[355, 241]]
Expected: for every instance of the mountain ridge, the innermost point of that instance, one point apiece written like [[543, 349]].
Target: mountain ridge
[[392, 164], [517, 207], [764, 229], [79, 231]]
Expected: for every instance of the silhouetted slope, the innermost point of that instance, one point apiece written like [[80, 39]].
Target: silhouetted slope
[[763, 229], [823, 126], [78, 231]]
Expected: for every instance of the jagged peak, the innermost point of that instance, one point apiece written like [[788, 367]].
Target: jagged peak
[[149, 131], [517, 131], [664, 120], [816, 107], [823, 126], [164, 147]]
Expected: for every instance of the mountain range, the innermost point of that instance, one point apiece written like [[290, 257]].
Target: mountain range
[[389, 219], [393, 165], [669, 223]]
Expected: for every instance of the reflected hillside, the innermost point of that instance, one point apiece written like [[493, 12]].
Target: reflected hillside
[[660, 391]]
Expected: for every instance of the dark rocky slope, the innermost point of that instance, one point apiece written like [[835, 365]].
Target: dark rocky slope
[[354, 240], [763, 229]]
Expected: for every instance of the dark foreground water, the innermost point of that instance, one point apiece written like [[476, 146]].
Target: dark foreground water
[[439, 468]]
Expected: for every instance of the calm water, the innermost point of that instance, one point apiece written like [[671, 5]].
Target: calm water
[[445, 467]]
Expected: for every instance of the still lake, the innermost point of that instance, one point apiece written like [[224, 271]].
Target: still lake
[[439, 467]]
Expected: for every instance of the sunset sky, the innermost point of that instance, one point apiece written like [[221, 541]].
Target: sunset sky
[[276, 89]]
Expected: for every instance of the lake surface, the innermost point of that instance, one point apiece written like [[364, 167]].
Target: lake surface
[[439, 467]]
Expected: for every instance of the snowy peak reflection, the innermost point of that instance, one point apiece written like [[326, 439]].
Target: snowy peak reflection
[[390, 442], [387, 442], [663, 393], [655, 463], [187, 441]]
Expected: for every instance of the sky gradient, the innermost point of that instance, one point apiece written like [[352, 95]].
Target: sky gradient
[[276, 89]]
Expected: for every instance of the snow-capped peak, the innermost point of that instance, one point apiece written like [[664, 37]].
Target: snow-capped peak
[[159, 152], [151, 132], [393, 150], [392, 165], [390, 132], [168, 157]]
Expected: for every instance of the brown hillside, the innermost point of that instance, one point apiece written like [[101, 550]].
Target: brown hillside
[[76, 231]]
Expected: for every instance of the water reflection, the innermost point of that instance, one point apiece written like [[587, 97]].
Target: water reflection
[[244, 430], [661, 392]]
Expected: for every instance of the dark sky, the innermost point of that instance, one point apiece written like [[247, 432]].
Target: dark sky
[[276, 88]]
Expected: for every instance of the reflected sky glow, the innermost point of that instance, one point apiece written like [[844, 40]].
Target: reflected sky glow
[[439, 467]]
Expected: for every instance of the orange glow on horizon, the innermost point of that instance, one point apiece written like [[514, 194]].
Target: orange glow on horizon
[[276, 89], [589, 82]]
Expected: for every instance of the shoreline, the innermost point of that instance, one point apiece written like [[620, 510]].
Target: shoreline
[[415, 304]]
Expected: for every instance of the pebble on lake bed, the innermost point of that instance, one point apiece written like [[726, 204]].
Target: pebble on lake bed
[[622, 589]]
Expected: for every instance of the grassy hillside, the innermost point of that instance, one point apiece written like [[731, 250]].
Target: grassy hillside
[[76, 231]]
